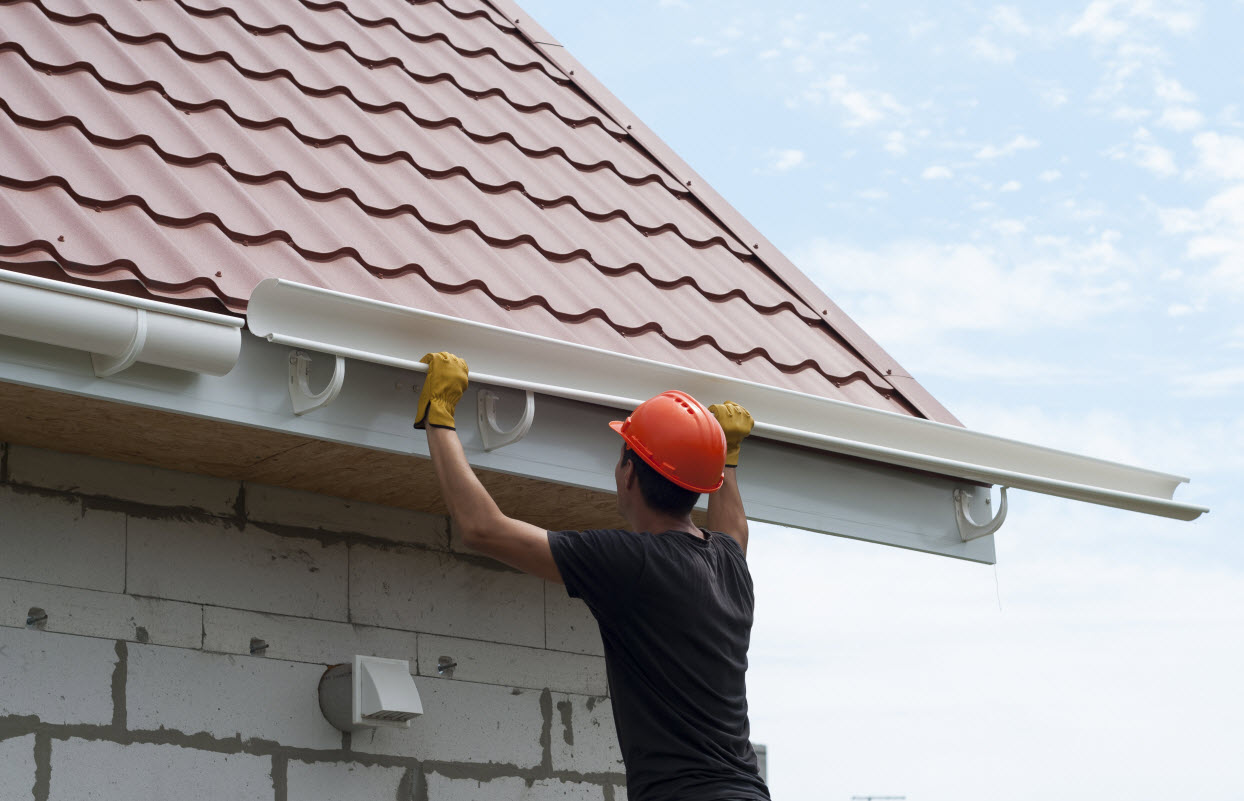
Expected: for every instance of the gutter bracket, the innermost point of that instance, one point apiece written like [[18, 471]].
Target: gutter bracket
[[300, 393], [969, 529], [107, 365], [491, 433]]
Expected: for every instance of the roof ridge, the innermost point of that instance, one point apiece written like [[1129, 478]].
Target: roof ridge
[[802, 287], [542, 63]]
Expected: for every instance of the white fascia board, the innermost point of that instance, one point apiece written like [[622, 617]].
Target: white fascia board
[[384, 333], [118, 330], [569, 441]]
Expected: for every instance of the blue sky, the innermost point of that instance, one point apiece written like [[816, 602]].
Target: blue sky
[[1038, 209]]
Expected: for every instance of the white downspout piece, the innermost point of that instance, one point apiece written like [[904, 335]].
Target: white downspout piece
[[117, 330]]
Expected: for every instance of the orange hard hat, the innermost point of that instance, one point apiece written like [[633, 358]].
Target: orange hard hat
[[679, 438]]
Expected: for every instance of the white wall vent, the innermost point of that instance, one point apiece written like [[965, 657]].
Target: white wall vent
[[369, 692]]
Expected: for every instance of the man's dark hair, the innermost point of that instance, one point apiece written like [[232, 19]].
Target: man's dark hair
[[658, 491]]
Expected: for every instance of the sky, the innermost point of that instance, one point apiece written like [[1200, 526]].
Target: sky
[[1038, 210]]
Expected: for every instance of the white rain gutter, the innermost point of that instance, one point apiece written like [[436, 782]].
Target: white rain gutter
[[117, 330], [384, 333]]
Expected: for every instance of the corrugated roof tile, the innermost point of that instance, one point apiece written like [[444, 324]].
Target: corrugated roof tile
[[419, 153]]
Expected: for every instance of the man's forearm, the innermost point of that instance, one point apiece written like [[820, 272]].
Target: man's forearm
[[470, 505], [725, 510]]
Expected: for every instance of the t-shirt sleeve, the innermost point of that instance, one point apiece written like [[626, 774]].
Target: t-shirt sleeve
[[601, 567]]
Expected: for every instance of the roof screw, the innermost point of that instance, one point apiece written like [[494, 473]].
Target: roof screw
[[219, 273], [754, 245], [628, 127], [572, 72], [688, 183], [888, 371], [445, 666], [60, 238], [258, 647], [824, 311]]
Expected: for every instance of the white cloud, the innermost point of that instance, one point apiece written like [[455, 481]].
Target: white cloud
[[1010, 227], [1011, 186], [1181, 118], [873, 194], [1109, 20], [1008, 19], [786, 160], [896, 143], [989, 50], [918, 291], [1098, 22], [935, 172], [1054, 96], [1172, 91], [1049, 176], [1215, 234], [863, 107], [1223, 381], [1144, 152], [1021, 142], [1219, 156]]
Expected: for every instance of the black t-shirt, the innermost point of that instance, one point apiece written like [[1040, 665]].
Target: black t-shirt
[[675, 615]]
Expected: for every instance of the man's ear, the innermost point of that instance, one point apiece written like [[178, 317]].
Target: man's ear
[[629, 476]]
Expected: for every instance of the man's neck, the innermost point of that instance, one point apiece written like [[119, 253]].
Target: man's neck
[[656, 522]]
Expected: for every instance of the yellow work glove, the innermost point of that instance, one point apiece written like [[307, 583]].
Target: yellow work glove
[[737, 423], [442, 389]]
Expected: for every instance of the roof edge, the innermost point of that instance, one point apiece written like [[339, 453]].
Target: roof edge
[[868, 349], [349, 326]]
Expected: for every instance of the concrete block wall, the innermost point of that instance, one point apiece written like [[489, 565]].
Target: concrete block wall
[[163, 635]]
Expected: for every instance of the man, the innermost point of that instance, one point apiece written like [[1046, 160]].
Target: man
[[673, 601]]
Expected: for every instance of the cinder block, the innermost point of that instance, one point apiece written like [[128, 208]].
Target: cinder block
[[584, 737], [514, 665], [102, 614], [288, 507], [17, 768], [90, 770], [226, 696], [465, 722], [570, 626], [151, 486], [215, 562], [333, 781], [557, 790], [442, 788], [59, 678], [54, 540], [302, 640], [440, 593]]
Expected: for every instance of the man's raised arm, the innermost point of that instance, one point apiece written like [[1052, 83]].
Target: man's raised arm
[[483, 526], [725, 506]]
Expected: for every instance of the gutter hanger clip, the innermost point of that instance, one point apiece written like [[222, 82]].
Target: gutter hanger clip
[[969, 529], [490, 432], [105, 366], [300, 393]]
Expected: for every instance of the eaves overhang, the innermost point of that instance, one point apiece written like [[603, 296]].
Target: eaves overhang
[[353, 327]]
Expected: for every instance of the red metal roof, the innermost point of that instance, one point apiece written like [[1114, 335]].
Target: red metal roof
[[425, 153]]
